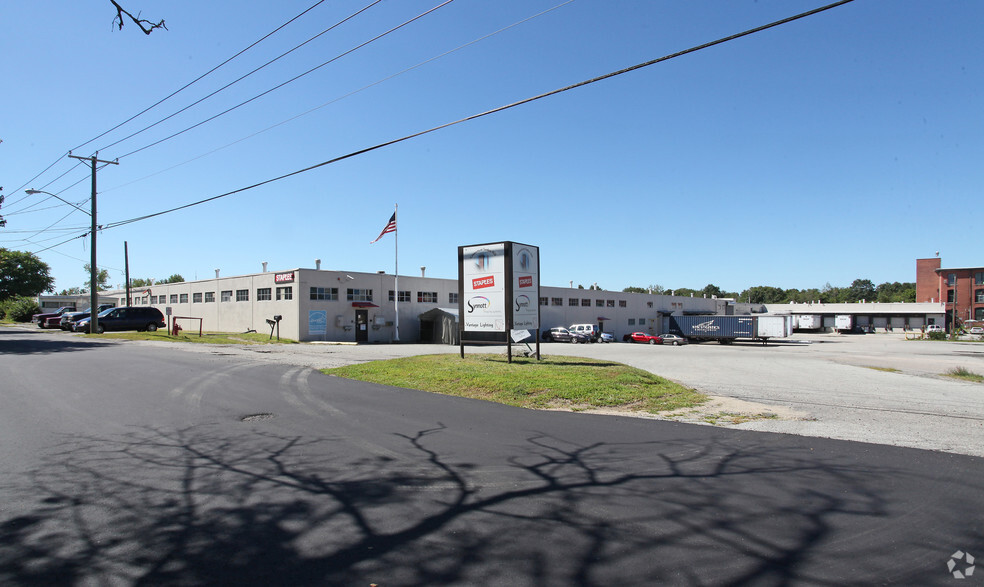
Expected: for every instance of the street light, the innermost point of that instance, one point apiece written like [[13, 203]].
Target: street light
[[35, 192], [93, 295]]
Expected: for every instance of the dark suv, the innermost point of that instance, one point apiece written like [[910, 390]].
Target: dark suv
[[125, 318]]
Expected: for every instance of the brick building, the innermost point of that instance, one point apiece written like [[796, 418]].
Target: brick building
[[960, 288]]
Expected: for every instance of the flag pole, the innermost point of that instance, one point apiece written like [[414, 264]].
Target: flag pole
[[396, 276]]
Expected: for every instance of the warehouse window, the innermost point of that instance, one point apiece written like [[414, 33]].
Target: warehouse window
[[174, 298], [979, 296], [585, 302], [631, 321], [453, 297], [264, 294], [979, 278], [572, 301], [427, 297], [609, 303], [951, 279], [184, 299], [543, 301], [196, 298], [242, 295], [209, 296], [358, 295], [556, 301], [621, 303], [403, 297], [599, 303], [285, 293], [226, 295], [324, 293]]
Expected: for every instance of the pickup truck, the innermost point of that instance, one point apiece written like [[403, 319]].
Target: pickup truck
[[41, 319], [68, 319]]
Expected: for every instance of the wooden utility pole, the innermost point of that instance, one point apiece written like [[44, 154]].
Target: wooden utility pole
[[93, 271]]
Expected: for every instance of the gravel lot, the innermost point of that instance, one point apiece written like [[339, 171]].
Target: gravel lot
[[811, 385]]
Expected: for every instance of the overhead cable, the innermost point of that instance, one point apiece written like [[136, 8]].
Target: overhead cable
[[488, 112]]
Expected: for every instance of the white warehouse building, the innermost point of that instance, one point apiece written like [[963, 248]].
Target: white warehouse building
[[346, 306]]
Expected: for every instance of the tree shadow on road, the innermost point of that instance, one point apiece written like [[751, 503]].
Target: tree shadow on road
[[197, 506], [26, 343]]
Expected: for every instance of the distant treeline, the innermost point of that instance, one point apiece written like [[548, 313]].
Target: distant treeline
[[860, 289]]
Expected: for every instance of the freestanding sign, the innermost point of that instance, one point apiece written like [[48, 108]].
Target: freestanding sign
[[498, 289]]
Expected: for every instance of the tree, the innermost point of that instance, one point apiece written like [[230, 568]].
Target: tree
[[764, 294], [176, 278], [710, 290], [861, 289], [23, 274], [633, 289], [145, 25], [102, 279]]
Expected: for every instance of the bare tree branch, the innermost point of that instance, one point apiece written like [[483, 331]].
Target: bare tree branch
[[145, 25]]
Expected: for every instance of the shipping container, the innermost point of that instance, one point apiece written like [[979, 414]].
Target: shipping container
[[727, 329]]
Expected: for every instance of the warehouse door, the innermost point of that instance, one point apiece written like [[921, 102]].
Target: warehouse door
[[361, 325]]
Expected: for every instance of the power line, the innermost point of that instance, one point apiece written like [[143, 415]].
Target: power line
[[199, 78], [291, 80], [161, 101], [493, 111], [234, 82], [344, 96]]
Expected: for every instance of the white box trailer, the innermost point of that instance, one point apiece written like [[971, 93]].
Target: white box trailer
[[774, 326], [843, 322], [809, 321]]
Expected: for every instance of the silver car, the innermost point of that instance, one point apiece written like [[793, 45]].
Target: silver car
[[673, 339]]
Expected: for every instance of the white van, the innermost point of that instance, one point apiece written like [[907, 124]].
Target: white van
[[588, 329]]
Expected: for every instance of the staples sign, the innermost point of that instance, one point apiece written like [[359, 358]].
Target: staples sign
[[283, 277], [526, 281], [481, 282]]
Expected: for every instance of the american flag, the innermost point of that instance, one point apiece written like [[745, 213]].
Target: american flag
[[390, 227]]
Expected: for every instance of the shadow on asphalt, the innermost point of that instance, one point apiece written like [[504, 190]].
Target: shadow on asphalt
[[17, 342], [199, 507]]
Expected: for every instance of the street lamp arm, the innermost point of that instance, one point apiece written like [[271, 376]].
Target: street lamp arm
[[33, 192]]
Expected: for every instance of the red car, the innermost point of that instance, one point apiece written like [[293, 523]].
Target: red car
[[41, 319], [643, 337]]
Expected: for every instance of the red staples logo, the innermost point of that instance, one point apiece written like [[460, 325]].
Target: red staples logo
[[283, 277], [483, 282], [526, 281]]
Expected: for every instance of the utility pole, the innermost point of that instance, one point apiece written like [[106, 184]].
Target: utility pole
[[93, 271]]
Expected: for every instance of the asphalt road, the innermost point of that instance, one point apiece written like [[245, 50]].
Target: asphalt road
[[143, 464]]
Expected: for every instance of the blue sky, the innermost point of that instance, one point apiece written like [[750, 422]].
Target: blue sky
[[841, 146]]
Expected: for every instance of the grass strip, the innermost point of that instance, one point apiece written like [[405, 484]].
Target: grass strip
[[572, 383], [206, 338], [963, 373]]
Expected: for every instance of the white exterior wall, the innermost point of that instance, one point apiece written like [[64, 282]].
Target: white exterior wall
[[644, 310]]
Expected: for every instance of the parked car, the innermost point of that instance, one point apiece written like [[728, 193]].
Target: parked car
[[606, 337], [561, 334], [643, 337], [40, 319], [591, 330], [68, 319], [977, 330], [673, 339], [934, 328], [138, 318]]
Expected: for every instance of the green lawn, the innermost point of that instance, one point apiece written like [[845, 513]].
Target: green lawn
[[187, 336], [555, 382]]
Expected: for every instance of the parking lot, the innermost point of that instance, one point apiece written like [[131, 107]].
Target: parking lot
[[877, 388]]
